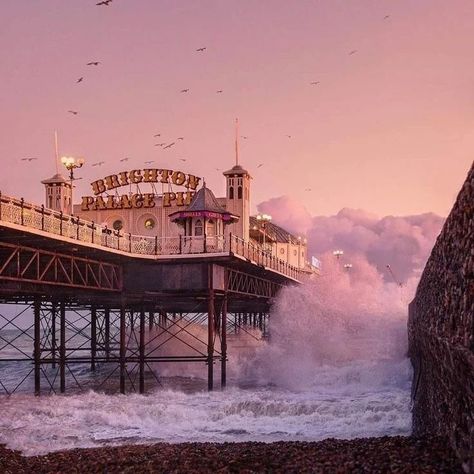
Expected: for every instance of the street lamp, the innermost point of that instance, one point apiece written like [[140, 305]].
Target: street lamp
[[71, 164], [347, 266], [338, 253], [263, 219]]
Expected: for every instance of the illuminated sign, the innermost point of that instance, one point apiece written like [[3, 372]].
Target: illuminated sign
[[103, 200]]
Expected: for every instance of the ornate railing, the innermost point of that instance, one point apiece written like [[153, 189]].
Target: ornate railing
[[17, 211]]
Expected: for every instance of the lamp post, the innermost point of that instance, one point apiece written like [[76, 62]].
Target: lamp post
[[263, 219], [347, 266], [338, 253], [71, 163]]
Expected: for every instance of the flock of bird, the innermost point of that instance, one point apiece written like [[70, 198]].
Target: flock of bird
[[169, 144]]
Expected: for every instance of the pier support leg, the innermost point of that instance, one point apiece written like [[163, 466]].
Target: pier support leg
[[62, 347], [122, 349], [107, 333], [93, 337], [37, 344], [53, 335], [224, 343], [151, 320], [142, 353], [210, 341]]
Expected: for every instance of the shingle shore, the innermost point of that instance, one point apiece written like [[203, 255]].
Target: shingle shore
[[364, 455]]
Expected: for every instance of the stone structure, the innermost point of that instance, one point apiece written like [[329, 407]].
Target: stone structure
[[441, 334]]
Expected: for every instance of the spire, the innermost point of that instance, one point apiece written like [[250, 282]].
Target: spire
[[236, 142]]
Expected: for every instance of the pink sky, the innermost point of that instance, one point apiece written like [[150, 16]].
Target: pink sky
[[389, 129]]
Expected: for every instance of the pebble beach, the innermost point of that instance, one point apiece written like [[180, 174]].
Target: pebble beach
[[396, 454]]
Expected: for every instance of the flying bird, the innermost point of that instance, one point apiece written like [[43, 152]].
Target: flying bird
[[220, 91], [160, 144], [386, 17], [124, 159], [244, 137], [149, 162], [28, 159], [201, 49], [79, 80], [99, 163], [93, 63], [74, 112], [157, 135], [308, 189], [289, 136], [353, 52], [184, 90], [182, 159], [104, 2], [260, 165], [180, 138], [315, 83], [169, 146]]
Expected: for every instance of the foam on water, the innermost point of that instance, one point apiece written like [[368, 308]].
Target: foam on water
[[336, 367]]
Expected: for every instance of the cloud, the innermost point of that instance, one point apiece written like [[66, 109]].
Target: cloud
[[403, 242]]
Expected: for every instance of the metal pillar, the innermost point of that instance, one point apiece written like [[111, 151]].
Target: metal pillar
[[122, 349], [37, 344], [62, 347], [224, 343], [53, 335], [93, 336], [142, 353], [107, 333], [210, 341], [151, 320]]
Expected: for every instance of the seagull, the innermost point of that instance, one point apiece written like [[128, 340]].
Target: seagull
[[79, 80], [182, 159], [99, 163], [315, 83], [308, 189], [73, 112], [160, 144], [180, 138], [157, 135], [149, 162], [124, 159], [289, 136], [184, 90], [28, 159], [353, 52], [244, 137], [260, 165], [169, 146], [201, 49], [104, 2], [93, 63], [386, 17], [220, 91]]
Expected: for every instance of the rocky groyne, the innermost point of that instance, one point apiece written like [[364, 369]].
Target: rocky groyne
[[441, 334]]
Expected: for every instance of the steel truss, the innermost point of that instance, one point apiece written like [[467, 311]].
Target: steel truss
[[25, 264], [251, 285]]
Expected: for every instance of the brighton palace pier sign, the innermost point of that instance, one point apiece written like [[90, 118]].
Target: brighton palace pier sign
[[103, 200]]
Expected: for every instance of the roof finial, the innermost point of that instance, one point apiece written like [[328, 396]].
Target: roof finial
[[236, 142]]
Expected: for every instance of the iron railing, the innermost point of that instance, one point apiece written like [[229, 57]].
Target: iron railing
[[20, 212]]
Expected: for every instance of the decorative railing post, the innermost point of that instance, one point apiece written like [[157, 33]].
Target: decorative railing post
[[156, 245], [118, 240], [106, 232], [180, 244], [61, 223], [22, 204], [77, 228], [42, 216], [130, 242], [93, 231]]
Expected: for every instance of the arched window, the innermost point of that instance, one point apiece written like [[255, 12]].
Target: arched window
[[211, 228], [231, 192], [198, 228], [239, 192]]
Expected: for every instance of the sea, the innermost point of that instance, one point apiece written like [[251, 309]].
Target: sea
[[335, 366]]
